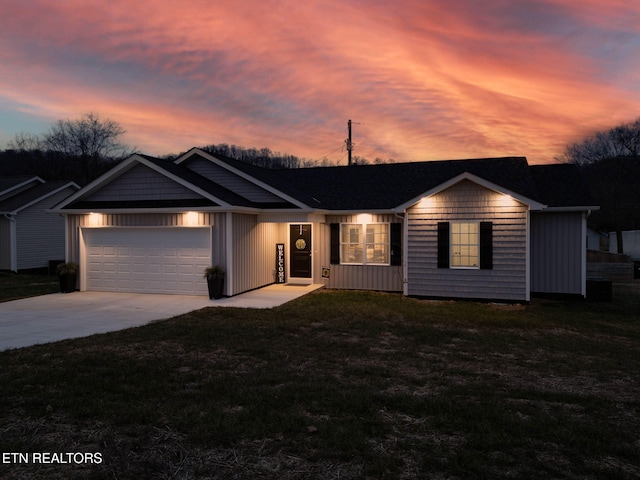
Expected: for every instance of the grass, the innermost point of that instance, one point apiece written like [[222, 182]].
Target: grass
[[348, 385], [14, 286]]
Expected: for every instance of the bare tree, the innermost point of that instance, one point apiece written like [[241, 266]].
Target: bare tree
[[620, 141], [24, 142], [609, 163], [78, 150]]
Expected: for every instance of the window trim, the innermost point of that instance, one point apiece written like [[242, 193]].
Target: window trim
[[452, 244], [364, 226]]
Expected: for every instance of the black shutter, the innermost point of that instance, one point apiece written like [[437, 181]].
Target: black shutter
[[396, 244], [486, 245], [335, 244], [443, 244]]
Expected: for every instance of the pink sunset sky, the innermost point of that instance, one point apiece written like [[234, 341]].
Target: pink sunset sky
[[421, 79]]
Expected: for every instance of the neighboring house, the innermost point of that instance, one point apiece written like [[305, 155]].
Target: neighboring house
[[630, 242], [494, 229], [596, 240], [29, 236]]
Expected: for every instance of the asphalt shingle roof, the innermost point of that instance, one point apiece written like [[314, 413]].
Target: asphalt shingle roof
[[561, 185], [387, 186], [16, 202]]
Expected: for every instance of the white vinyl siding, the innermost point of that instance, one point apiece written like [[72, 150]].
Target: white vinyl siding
[[557, 256], [254, 252], [40, 235], [468, 202]]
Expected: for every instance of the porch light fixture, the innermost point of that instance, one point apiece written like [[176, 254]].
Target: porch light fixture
[[94, 219], [190, 218]]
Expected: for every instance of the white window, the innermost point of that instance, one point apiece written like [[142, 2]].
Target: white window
[[465, 245], [364, 244]]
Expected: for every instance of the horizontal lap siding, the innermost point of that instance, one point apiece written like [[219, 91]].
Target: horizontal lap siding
[[143, 183], [40, 235], [466, 201], [386, 278]]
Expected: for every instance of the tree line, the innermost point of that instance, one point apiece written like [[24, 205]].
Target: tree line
[[84, 148], [610, 164], [78, 150]]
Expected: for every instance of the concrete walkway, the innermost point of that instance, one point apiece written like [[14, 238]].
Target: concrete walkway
[[61, 316]]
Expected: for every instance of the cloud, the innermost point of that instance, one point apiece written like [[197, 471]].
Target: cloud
[[423, 79]]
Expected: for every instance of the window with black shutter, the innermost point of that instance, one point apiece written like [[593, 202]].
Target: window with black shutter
[[465, 245]]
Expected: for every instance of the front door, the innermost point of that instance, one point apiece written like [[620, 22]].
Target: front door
[[300, 251]]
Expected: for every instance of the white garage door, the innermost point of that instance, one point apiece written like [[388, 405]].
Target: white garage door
[[147, 260]]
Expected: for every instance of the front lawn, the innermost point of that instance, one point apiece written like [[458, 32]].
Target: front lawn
[[348, 385], [14, 286]]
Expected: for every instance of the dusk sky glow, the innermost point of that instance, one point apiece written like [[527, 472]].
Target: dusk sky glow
[[421, 79]]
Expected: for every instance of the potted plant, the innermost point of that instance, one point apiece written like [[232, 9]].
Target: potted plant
[[68, 275], [215, 280]]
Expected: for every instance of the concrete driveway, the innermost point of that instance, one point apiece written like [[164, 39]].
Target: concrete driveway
[[61, 316]]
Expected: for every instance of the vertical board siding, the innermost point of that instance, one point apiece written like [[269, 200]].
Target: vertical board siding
[[254, 252], [556, 252], [467, 201], [386, 278]]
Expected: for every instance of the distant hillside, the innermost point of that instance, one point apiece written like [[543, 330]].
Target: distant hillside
[[262, 157]]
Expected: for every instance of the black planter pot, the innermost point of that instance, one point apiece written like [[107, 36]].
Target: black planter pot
[[68, 282], [216, 286]]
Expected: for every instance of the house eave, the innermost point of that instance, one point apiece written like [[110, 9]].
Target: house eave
[[123, 167], [372, 211], [212, 209], [572, 209], [532, 204]]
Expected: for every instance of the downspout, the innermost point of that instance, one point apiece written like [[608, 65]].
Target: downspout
[[13, 243]]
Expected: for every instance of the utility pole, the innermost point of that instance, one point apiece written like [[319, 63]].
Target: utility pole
[[349, 142]]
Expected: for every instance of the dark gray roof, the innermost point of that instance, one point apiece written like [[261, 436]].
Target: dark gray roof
[[561, 185], [386, 186], [16, 202], [11, 182], [189, 176]]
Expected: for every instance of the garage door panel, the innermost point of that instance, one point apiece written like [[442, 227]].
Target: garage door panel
[[147, 260], [170, 269], [124, 268]]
